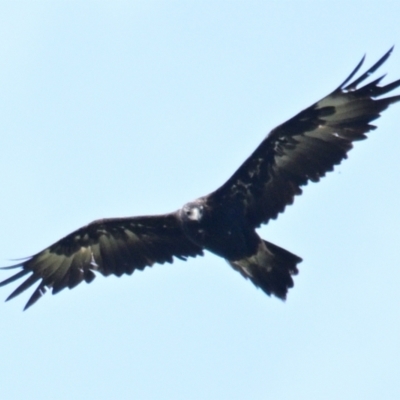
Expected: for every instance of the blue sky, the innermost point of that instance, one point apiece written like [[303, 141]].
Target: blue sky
[[113, 109]]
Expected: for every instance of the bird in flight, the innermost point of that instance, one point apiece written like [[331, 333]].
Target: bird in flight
[[302, 149]]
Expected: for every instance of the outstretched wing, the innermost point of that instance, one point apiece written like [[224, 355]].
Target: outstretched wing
[[110, 246], [306, 147]]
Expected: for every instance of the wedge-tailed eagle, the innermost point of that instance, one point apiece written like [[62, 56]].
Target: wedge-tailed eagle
[[224, 222]]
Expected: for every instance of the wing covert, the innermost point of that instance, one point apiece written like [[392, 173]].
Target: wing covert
[[110, 246]]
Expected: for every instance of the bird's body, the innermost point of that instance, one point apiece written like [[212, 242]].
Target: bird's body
[[221, 229], [224, 222]]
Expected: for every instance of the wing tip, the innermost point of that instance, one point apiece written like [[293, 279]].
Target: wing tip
[[37, 294], [365, 75]]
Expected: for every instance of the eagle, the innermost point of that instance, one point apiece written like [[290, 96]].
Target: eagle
[[302, 149]]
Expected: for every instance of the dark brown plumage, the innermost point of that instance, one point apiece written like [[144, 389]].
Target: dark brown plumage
[[304, 148]]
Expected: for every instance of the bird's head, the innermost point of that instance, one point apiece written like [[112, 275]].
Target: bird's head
[[193, 211], [192, 216]]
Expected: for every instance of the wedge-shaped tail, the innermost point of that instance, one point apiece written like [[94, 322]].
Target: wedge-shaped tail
[[271, 269]]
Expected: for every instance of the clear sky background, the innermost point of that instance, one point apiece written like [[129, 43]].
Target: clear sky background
[[113, 109]]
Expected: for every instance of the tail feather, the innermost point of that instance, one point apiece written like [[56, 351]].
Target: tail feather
[[271, 269]]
